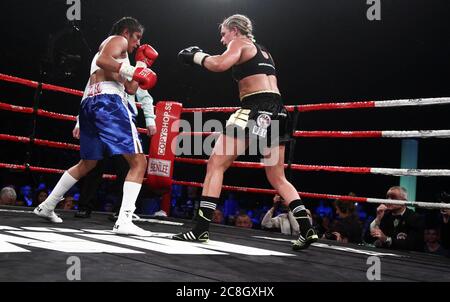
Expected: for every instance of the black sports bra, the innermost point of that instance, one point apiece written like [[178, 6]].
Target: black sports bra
[[256, 65]]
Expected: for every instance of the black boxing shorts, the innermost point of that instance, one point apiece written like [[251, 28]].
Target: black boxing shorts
[[262, 117]]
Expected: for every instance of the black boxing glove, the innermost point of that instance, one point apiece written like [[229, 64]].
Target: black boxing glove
[[192, 55]]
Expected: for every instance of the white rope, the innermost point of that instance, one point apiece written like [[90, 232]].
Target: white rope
[[413, 102], [417, 133], [411, 172], [421, 204]]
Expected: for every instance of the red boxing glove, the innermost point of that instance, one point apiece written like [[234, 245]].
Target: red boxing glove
[[145, 77], [146, 54]]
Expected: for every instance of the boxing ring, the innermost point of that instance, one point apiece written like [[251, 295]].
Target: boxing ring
[[158, 258]]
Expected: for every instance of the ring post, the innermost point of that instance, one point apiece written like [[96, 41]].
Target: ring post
[[292, 144], [162, 151], [409, 158]]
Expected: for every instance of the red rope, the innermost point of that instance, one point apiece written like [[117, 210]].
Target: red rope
[[344, 134], [210, 109], [62, 89], [194, 184], [206, 133], [50, 87], [32, 168], [301, 108], [45, 170], [255, 165], [236, 164], [57, 116], [251, 190], [13, 108], [338, 134], [21, 81], [227, 188], [35, 84], [271, 191], [41, 112], [332, 106], [40, 142]]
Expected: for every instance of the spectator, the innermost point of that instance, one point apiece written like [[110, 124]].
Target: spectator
[[445, 224], [160, 213], [20, 203], [217, 217], [255, 223], [183, 209], [396, 226], [284, 222], [40, 196], [230, 207], [150, 205], [360, 210], [347, 227], [323, 224], [432, 245], [108, 207], [8, 196], [324, 210], [26, 195], [193, 200], [243, 221], [67, 203]]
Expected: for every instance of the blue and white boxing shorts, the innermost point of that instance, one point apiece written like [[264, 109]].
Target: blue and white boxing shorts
[[106, 123]]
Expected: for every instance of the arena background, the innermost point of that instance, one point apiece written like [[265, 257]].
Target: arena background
[[325, 51]]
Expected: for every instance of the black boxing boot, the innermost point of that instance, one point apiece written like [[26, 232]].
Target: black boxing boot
[[200, 232], [308, 234]]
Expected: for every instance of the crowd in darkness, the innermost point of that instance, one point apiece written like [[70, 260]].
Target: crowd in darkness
[[391, 226], [384, 226]]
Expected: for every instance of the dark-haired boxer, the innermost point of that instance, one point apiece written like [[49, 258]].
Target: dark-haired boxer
[[106, 125], [92, 181]]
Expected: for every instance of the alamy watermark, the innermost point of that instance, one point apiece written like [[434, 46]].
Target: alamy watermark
[[74, 11], [374, 11], [73, 272], [253, 137], [374, 271]]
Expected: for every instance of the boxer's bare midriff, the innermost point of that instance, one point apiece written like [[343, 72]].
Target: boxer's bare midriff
[[257, 83], [103, 76]]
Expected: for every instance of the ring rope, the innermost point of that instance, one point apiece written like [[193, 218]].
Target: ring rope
[[40, 142], [351, 134], [327, 134], [374, 104], [34, 84], [40, 112], [301, 108], [357, 170], [50, 87], [256, 165], [334, 106], [44, 170], [45, 113], [429, 205], [323, 134], [375, 134]]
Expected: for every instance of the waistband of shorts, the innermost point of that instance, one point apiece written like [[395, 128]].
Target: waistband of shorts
[[259, 94], [107, 87]]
